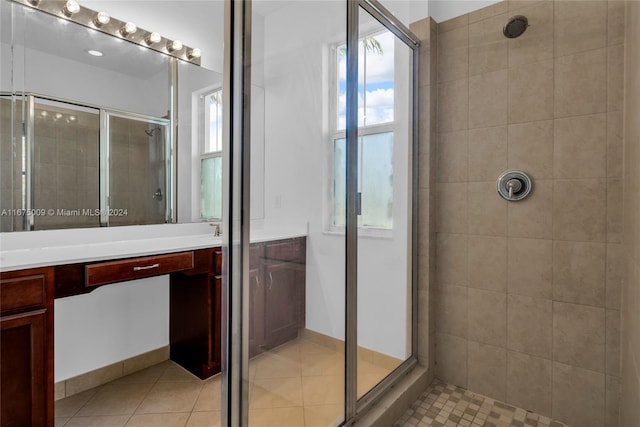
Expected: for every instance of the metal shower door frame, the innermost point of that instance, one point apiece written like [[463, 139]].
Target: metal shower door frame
[[235, 244]]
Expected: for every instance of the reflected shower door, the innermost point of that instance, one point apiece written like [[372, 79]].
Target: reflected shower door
[[138, 170]]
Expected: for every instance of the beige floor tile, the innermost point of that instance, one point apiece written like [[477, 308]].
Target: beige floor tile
[[101, 421], [277, 366], [204, 419], [69, 406], [176, 372], [298, 373], [210, 396], [171, 396], [323, 390], [290, 350], [276, 417], [159, 420], [369, 375], [116, 399], [59, 422], [323, 364], [275, 393], [323, 415]]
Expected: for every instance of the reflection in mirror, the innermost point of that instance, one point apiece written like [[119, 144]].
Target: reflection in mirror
[[11, 164], [138, 171], [48, 56]]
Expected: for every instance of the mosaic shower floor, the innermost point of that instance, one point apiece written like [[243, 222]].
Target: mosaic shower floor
[[444, 405]]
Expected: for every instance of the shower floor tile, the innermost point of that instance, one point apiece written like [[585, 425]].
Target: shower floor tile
[[445, 405]]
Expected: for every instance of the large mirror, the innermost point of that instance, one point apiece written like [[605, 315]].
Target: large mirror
[[100, 129]]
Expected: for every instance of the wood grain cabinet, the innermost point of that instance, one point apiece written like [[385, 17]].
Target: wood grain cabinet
[[276, 304], [26, 348], [195, 314], [277, 293]]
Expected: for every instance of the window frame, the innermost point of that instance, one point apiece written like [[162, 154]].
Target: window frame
[[335, 134], [203, 154]]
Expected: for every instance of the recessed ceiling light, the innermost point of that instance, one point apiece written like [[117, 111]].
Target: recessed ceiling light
[[94, 52]]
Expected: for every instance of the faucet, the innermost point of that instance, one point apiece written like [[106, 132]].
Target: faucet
[[216, 230]]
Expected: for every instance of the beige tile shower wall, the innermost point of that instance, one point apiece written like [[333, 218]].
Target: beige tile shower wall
[[527, 295], [630, 345]]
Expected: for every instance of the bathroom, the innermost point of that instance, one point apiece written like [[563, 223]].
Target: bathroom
[[333, 251]]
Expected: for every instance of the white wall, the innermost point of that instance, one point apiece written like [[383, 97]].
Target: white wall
[[110, 324], [298, 174]]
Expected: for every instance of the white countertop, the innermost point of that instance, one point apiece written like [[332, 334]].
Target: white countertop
[[22, 250]]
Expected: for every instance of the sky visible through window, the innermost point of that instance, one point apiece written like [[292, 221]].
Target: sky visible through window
[[375, 83]]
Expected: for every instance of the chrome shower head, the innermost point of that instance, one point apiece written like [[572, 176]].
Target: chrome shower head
[[515, 27]]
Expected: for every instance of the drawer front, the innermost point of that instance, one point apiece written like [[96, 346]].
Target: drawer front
[[136, 268], [23, 292], [291, 250]]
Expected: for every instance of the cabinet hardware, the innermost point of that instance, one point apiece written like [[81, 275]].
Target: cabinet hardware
[[146, 267]]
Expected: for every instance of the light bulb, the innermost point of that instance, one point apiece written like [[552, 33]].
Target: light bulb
[[128, 28], [174, 45], [152, 38], [71, 7], [194, 53], [102, 18]]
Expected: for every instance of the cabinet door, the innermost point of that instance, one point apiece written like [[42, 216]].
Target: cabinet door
[[256, 311], [282, 302], [23, 369]]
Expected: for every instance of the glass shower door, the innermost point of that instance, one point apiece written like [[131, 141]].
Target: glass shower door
[[385, 188]]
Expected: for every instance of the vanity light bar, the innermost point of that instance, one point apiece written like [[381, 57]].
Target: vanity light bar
[[100, 21]]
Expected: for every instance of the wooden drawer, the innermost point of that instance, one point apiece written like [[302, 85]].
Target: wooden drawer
[[136, 268], [289, 250], [21, 293]]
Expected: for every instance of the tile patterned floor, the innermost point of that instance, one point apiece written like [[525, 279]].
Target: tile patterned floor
[[444, 405], [299, 384]]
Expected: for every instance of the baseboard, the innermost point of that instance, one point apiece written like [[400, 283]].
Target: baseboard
[[110, 373]]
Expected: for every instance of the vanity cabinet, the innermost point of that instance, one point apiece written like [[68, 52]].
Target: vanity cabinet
[[276, 293], [276, 304], [195, 313], [26, 348]]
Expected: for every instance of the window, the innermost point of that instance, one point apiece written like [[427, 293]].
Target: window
[[211, 157], [375, 132]]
